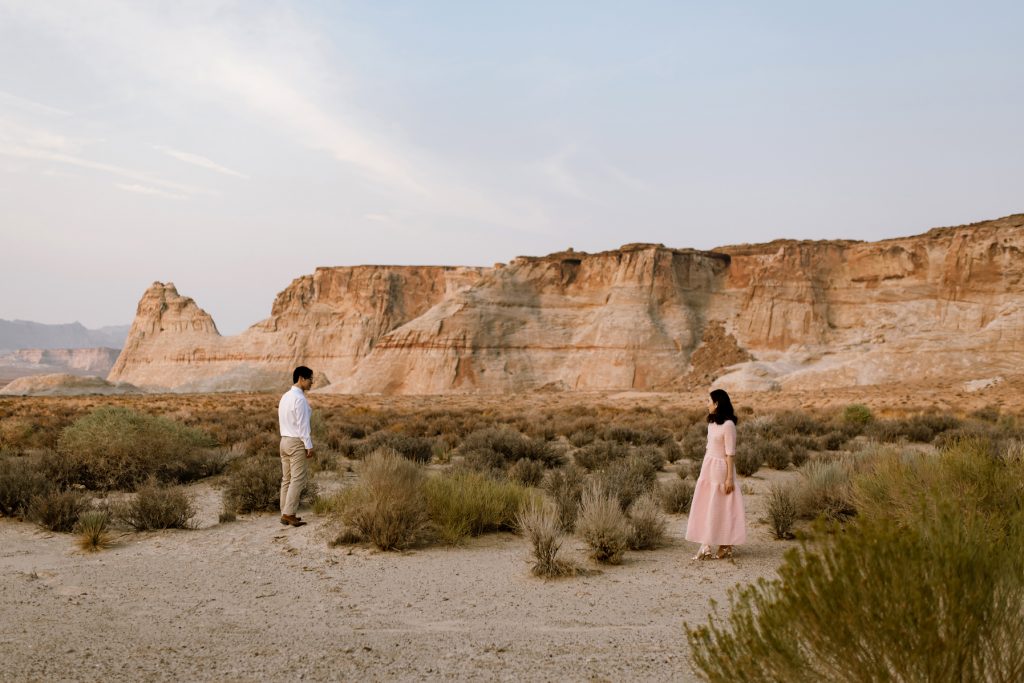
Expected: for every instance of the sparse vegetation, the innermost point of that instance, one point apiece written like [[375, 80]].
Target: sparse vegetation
[[940, 541], [118, 448], [603, 525], [647, 524], [92, 529], [388, 505], [676, 496], [464, 503], [253, 485], [155, 506], [58, 510], [540, 522], [565, 486], [782, 510], [21, 479]]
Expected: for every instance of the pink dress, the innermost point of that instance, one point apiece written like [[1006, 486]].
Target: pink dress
[[715, 517]]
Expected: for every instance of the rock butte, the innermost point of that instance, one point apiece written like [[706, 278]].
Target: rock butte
[[947, 305]]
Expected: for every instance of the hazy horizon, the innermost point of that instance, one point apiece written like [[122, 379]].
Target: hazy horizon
[[230, 147]]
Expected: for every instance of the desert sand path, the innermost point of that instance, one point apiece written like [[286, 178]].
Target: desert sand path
[[253, 600]]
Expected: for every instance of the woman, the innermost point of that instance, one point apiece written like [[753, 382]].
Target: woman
[[716, 513]]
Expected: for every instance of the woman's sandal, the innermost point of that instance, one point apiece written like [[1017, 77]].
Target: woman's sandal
[[724, 553], [704, 553]]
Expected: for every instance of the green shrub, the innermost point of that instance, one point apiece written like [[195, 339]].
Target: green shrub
[[647, 524], [600, 454], [57, 510], [603, 525], [629, 479], [565, 486], [857, 415], [748, 459], [388, 505], [539, 521], [782, 510], [253, 485], [21, 479], [773, 453], [829, 441], [462, 503], [158, 507], [824, 490], [118, 448], [970, 474], [92, 529], [676, 496], [936, 600]]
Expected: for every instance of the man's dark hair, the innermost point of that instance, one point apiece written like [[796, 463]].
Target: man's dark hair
[[303, 372]]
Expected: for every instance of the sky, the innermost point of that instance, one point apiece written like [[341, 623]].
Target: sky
[[232, 146]]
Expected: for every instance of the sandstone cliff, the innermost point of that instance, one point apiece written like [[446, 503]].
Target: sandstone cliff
[[328, 320], [943, 305]]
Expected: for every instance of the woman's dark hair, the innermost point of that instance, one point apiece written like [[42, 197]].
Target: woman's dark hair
[[724, 411], [303, 372]]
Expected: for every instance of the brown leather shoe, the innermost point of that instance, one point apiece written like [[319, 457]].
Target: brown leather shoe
[[292, 520]]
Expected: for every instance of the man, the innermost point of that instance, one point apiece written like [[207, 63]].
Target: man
[[296, 443]]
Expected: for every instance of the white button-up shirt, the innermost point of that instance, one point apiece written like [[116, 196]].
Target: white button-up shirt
[[294, 413]]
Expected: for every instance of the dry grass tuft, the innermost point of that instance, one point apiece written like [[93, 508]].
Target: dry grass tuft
[[603, 525], [92, 529], [388, 506], [647, 524], [539, 521]]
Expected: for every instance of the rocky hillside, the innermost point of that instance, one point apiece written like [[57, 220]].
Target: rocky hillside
[[943, 306]]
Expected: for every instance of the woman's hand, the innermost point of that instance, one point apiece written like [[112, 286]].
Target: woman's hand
[[729, 486]]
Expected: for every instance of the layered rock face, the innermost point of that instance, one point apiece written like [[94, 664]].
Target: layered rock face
[[328, 320], [943, 305]]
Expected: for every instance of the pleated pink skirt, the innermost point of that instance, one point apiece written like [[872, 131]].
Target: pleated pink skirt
[[716, 518]]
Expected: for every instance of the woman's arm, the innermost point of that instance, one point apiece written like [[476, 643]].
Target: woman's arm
[[730, 451]]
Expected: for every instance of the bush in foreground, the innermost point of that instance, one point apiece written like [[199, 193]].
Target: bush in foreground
[[676, 496], [158, 507], [539, 521], [464, 503], [938, 601], [387, 506], [782, 510], [647, 524], [565, 486], [20, 480], [58, 510], [253, 485], [603, 525], [118, 448], [92, 529]]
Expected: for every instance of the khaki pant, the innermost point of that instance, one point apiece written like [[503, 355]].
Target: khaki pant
[[293, 473]]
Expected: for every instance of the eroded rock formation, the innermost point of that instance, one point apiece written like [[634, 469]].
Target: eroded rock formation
[[946, 304]]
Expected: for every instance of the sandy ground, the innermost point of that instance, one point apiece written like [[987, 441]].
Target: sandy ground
[[253, 600]]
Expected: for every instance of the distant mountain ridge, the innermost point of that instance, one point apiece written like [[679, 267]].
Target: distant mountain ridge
[[24, 334]]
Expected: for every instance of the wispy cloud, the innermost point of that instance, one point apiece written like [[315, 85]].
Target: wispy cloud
[[200, 161], [16, 102], [269, 69], [38, 144], [145, 189]]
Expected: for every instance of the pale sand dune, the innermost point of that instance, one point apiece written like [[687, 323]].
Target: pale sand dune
[[253, 600]]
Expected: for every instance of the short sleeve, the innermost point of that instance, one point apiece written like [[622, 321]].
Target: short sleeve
[[730, 437]]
